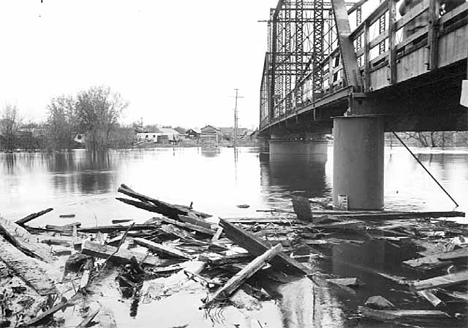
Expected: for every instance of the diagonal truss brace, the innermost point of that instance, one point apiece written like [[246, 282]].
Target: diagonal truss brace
[[348, 54]]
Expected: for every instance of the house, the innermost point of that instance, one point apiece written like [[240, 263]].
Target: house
[[210, 135], [193, 133], [228, 132], [159, 135]]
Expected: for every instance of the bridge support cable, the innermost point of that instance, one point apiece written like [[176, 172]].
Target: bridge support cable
[[425, 169]]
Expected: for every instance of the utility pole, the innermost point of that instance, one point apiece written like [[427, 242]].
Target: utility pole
[[235, 117]]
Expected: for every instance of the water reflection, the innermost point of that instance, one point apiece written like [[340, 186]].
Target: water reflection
[[82, 172], [210, 151], [305, 175]]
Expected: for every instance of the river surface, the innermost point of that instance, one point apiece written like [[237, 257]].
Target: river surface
[[217, 180]]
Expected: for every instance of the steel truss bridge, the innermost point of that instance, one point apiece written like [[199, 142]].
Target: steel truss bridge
[[327, 59]]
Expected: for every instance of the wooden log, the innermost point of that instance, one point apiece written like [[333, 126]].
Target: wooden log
[[164, 249], [119, 255], [389, 315], [187, 226], [238, 279], [436, 260], [32, 216], [256, 246], [23, 240], [170, 210], [431, 298], [441, 281]]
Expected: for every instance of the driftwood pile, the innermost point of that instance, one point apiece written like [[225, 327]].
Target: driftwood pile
[[179, 241], [221, 255]]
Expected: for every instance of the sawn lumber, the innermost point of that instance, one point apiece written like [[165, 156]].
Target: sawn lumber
[[257, 246]]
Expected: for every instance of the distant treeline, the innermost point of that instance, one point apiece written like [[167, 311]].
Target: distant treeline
[[89, 119], [430, 139]]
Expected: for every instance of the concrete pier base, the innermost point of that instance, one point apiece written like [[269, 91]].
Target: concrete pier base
[[358, 162]]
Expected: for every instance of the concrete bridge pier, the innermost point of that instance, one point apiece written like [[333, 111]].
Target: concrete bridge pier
[[358, 162], [309, 145]]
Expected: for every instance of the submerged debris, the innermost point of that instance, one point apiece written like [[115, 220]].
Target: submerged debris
[[231, 261]]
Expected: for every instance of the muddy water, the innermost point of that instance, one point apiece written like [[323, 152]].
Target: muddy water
[[216, 181]]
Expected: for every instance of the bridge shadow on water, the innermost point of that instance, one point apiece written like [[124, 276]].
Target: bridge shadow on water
[[294, 174]]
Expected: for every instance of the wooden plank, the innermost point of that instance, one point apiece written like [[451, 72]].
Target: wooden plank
[[302, 208], [169, 210], [160, 248], [375, 42], [413, 13], [454, 12], [195, 221], [24, 241], [389, 315], [392, 215], [26, 268], [114, 228], [372, 18], [436, 260], [228, 259], [188, 226], [441, 281], [412, 37], [238, 279], [119, 255], [257, 246], [431, 298], [32, 216]]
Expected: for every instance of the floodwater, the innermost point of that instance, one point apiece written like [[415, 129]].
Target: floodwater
[[216, 180]]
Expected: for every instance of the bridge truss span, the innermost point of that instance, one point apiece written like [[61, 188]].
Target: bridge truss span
[[326, 58]]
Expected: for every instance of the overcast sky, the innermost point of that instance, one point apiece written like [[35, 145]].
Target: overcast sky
[[176, 62]]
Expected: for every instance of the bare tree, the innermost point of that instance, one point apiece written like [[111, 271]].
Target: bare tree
[[9, 127], [61, 122], [97, 111]]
